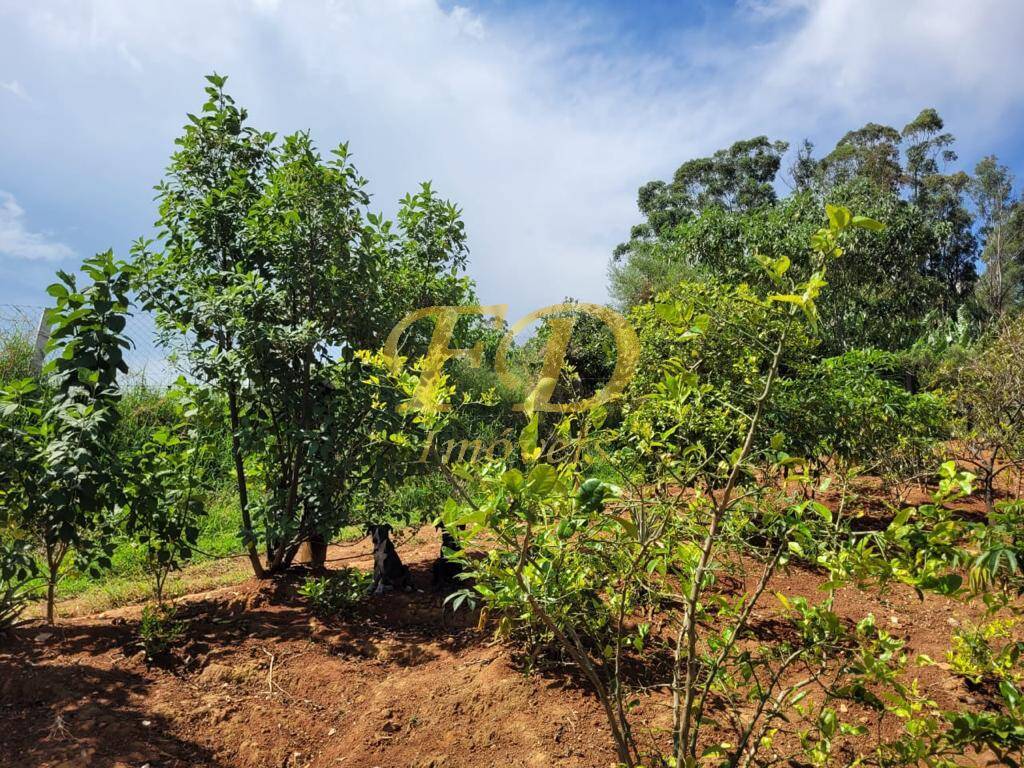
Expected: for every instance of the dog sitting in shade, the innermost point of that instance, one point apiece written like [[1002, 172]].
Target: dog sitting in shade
[[445, 569], [388, 570]]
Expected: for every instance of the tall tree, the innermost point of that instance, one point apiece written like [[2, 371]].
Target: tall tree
[[1001, 286], [927, 145], [804, 171], [941, 197], [699, 226], [738, 178], [197, 283], [871, 152], [271, 273]]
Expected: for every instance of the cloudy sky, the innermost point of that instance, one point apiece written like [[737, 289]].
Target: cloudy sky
[[540, 119]]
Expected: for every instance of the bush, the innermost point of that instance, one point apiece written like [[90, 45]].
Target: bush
[[561, 564], [990, 404], [416, 500], [849, 411], [703, 347], [987, 652], [143, 409], [336, 594], [57, 470], [164, 500], [159, 631]]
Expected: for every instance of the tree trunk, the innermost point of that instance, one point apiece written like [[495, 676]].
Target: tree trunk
[[51, 589], [54, 557], [243, 490], [313, 552]]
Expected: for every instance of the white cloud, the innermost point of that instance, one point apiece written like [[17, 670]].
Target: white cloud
[[17, 242], [129, 57], [13, 86], [539, 122], [890, 55]]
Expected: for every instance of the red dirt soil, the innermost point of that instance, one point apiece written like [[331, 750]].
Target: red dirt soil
[[259, 684], [392, 686]]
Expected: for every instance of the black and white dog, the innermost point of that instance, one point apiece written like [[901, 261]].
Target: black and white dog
[[388, 570]]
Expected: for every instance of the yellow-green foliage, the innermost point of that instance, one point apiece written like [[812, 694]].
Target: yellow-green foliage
[[987, 651], [703, 348]]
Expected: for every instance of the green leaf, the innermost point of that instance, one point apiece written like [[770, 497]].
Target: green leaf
[[541, 480], [667, 311], [775, 268], [824, 512], [787, 297], [943, 585], [867, 223], [513, 480], [58, 291], [839, 216], [528, 440]]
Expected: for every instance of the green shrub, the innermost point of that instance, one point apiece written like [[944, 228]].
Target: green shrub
[[336, 594], [159, 630], [415, 500], [57, 470], [703, 347], [143, 409], [990, 401], [999, 543], [850, 411]]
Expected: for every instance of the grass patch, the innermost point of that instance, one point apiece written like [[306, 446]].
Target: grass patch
[[16, 356], [219, 561], [117, 591], [127, 580]]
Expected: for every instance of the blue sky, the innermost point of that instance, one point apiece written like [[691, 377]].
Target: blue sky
[[540, 119]]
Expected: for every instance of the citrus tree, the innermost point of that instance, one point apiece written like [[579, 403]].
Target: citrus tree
[[269, 272], [60, 475]]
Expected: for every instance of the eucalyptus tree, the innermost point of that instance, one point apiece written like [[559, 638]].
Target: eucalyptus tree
[[738, 178], [719, 212], [1001, 287]]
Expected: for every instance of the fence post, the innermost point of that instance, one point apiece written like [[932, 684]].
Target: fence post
[[42, 337]]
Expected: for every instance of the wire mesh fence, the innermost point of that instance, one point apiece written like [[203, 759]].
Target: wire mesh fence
[[21, 350], [19, 319], [24, 333], [147, 360]]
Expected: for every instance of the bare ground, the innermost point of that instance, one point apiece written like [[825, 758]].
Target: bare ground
[[259, 683]]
